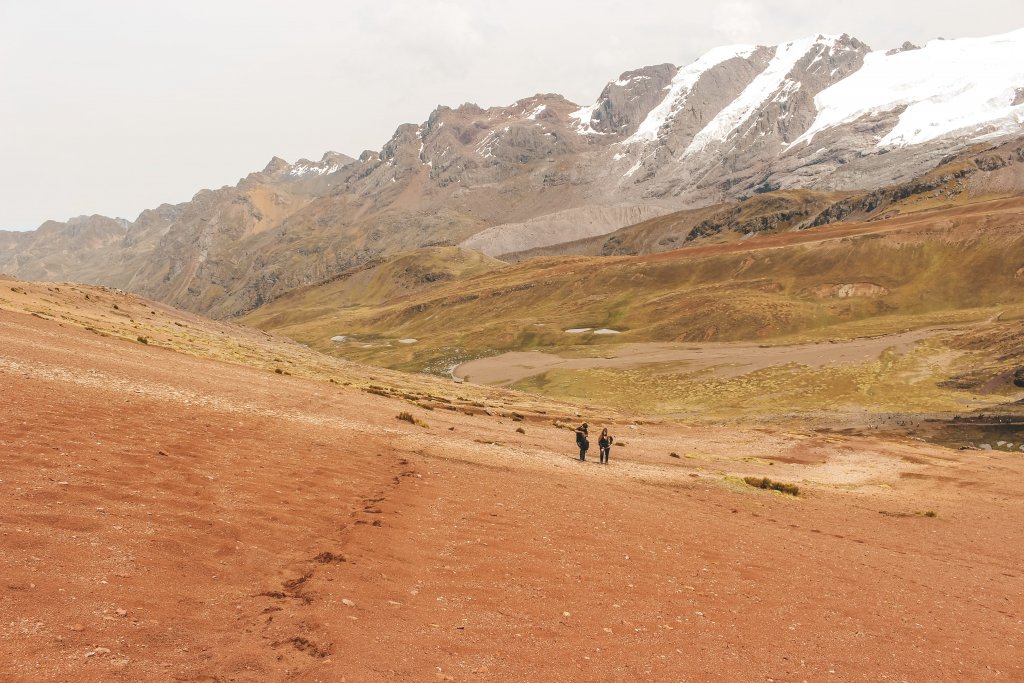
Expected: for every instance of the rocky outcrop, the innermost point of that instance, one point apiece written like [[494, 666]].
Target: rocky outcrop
[[626, 102], [850, 290]]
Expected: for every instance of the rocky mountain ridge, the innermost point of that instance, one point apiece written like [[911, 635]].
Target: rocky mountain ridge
[[737, 122]]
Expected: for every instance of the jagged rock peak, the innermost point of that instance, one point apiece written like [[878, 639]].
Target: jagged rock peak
[[276, 165], [905, 47]]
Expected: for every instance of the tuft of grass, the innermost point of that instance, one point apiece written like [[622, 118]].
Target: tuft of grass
[[766, 483], [929, 513], [673, 454], [406, 416], [142, 340]]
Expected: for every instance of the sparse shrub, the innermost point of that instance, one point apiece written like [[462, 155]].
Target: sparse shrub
[[406, 416], [520, 430], [620, 444], [766, 483], [517, 417], [142, 340], [376, 390], [929, 513], [116, 308], [673, 454], [279, 371]]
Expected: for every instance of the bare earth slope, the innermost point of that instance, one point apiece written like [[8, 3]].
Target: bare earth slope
[[171, 516]]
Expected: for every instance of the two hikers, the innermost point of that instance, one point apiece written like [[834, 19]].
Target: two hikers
[[604, 442]]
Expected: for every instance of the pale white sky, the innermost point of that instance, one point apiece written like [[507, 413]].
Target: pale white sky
[[114, 106]]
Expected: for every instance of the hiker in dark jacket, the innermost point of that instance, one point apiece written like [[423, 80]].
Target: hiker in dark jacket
[[604, 445], [582, 441]]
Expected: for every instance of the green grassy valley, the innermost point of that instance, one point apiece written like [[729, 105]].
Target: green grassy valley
[[953, 268]]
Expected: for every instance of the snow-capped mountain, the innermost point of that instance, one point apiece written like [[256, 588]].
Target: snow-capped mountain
[[821, 102], [825, 112], [972, 86]]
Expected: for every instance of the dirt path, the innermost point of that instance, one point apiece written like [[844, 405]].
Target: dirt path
[[168, 518]]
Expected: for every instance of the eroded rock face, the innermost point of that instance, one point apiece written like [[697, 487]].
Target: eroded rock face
[[626, 102]]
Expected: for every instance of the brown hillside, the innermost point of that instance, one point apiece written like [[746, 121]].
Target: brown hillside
[[172, 516]]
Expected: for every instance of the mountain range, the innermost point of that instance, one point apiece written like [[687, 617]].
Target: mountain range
[[825, 113]]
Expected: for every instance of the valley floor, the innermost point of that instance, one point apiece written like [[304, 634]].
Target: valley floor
[[717, 360], [168, 517]]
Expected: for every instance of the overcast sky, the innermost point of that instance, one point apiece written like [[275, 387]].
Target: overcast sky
[[114, 106]]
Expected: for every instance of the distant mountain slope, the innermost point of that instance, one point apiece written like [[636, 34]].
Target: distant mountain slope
[[823, 113], [957, 264]]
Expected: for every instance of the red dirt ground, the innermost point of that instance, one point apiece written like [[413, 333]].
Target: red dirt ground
[[166, 517]]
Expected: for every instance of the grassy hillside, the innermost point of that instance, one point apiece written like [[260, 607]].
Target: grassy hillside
[[830, 282]]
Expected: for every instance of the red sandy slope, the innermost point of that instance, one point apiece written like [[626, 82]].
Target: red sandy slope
[[164, 517]]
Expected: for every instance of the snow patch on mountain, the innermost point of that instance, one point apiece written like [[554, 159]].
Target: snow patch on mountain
[[680, 88], [968, 84], [773, 81], [305, 168], [583, 117]]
